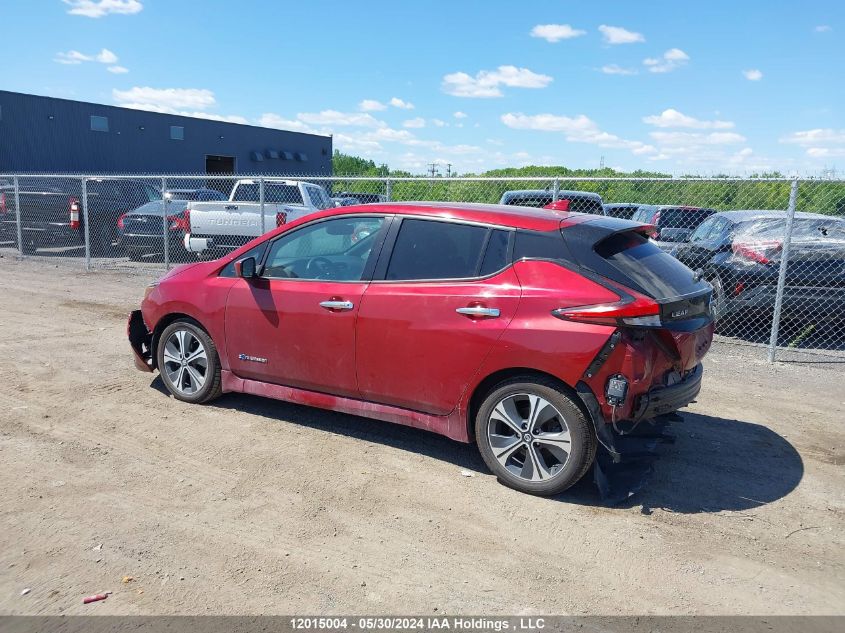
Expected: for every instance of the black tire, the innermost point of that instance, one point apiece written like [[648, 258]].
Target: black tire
[[212, 386], [582, 447]]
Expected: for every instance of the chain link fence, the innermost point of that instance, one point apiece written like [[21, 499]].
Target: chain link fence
[[772, 248]]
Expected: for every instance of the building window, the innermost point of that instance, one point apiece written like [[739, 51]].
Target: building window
[[177, 133], [99, 123]]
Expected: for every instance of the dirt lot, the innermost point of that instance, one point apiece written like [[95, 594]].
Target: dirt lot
[[255, 506]]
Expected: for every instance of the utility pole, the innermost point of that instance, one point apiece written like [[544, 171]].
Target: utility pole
[[601, 162], [448, 170], [432, 169]]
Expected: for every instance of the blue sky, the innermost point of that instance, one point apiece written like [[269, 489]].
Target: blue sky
[[731, 87]]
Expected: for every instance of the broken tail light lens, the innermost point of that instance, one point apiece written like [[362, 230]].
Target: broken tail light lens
[[120, 221]]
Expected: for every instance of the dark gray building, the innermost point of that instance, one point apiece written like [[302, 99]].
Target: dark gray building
[[49, 135]]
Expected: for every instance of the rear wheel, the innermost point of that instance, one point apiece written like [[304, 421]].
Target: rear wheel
[[188, 363], [533, 436]]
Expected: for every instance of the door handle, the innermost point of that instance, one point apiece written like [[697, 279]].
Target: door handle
[[337, 305], [479, 311]]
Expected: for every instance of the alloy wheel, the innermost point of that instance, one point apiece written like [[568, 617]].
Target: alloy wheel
[[529, 437], [185, 362]]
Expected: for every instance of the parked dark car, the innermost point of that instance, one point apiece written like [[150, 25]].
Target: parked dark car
[[739, 253], [141, 231], [624, 210], [362, 198], [535, 334], [52, 214], [672, 224], [579, 201]]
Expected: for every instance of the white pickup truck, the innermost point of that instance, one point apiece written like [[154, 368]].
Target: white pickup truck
[[223, 226]]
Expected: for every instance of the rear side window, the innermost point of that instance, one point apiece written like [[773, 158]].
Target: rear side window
[[496, 255], [635, 261], [538, 245], [427, 249]]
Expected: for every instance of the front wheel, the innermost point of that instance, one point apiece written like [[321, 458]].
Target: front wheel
[[533, 436], [188, 363]]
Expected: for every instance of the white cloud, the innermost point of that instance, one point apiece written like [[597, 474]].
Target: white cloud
[[118, 70], [556, 32], [459, 115], [615, 69], [753, 74], [819, 142], [671, 59], [72, 57], [673, 118], [199, 99], [691, 139], [105, 56], [416, 122], [396, 102], [439, 123], [578, 129], [823, 28], [817, 136], [99, 8], [486, 82], [826, 152], [371, 105], [341, 119], [270, 119], [618, 35], [163, 109]]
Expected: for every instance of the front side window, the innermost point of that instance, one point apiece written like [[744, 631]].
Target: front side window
[[703, 231], [99, 123], [427, 249], [332, 250]]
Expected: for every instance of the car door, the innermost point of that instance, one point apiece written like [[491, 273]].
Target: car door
[[294, 325], [442, 294]]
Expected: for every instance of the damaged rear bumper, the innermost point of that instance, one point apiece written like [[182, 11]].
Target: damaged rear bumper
[[658, 401], [140, 340]]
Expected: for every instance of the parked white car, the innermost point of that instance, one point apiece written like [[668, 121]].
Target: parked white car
[[226, 225]]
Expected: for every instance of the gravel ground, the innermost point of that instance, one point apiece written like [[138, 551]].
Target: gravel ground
[[255, 506]]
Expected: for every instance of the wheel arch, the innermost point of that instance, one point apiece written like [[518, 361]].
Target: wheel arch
[[486, 385], [162, 324]]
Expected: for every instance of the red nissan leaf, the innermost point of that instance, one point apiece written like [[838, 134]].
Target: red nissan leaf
[[538, 334]]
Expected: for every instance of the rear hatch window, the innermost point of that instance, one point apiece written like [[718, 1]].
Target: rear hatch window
[[631, 259], [683, 218]]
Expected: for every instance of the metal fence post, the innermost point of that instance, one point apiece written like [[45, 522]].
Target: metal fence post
[[784, 262], [556, 190], [261, 201], [18, 215], [388, 189], [164, 228], [86, 223]]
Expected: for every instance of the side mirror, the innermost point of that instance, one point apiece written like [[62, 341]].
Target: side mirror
[[245, 268]]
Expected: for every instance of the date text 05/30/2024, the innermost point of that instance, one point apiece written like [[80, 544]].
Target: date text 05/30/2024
[[418, 623]]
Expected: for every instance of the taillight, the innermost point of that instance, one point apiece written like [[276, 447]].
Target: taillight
[[73, 210], [120, 221], [639, 311], [281, 218], [760, 252], [181, 222], [3, 207], [558, 205]]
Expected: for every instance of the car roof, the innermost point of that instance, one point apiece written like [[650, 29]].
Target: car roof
[[745, 215], [530, 218], [682, 207], [624, 205]]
